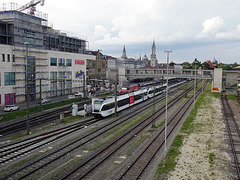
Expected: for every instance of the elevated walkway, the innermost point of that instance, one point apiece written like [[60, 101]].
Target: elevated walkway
[[172, 73]]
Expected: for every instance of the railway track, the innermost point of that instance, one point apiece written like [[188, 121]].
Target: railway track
[[87, 167], [17, 149], [45, 160], [138, 164], [38, 119], [233, 134]]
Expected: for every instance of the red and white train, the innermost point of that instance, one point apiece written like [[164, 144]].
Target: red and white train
[[104, 107], [126, 89]]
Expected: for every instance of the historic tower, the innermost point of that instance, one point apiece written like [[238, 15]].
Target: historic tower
[[153, 56], [124, 55]]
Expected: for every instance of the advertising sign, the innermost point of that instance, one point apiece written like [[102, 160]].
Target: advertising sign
[[79, 73], [80, 62]]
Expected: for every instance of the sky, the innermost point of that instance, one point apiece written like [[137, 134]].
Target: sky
[[202, 29]]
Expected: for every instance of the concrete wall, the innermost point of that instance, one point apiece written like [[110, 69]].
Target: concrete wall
[[217, 81]]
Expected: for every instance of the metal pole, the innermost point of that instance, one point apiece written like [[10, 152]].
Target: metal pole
[[165, 146], [202, 79], [116, 99], [27, 109], [153, 123], [40, 94], [84, 91], [195, 86]]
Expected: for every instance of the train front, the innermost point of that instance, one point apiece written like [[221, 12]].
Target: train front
[[97, 105]]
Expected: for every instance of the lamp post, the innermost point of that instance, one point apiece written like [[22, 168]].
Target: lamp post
[[165, 146], [27, 94], [202, 76], [195, 82]]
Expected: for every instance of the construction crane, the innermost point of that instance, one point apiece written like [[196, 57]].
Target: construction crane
[[31, 5]]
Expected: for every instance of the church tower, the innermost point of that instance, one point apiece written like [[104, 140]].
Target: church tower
[[124, 55], [153, 55]]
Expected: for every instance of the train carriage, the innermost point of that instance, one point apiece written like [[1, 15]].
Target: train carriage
[[106, 106]]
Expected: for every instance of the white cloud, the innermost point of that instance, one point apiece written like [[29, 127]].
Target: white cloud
[[99, 31], [235, 34], [211, 27], [135, 23]]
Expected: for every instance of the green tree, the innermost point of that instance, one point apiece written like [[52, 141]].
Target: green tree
[[186, 65], [172, 64], [196, 63], [205, 66], [235, 65], [225, 66]]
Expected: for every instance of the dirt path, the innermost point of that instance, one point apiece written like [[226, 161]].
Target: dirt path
[[204, 154]]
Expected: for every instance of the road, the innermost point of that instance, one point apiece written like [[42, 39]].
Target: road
[[35, 103]]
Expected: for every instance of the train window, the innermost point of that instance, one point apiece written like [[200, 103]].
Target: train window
[[137, 97], [108, 106], [151, 92], [104, 108], [123, 102], [97, 104]]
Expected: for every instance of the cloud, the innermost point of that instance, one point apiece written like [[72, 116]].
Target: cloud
[[235, 34], [211, 27], [183, 27], [99, 31]]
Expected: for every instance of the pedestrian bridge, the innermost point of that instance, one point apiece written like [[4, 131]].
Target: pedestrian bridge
[[172, 73]]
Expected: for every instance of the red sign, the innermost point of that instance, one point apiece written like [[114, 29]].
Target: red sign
[[81, 62], [215, 89], [131, 100]]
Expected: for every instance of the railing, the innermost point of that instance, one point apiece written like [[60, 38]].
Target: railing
[[183, 73]]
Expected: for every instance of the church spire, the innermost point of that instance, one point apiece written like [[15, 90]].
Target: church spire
[[153, 48], [153, 55], [124, 56]]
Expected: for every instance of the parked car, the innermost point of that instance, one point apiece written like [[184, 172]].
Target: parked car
[[10, 108], [79, 94], [45, 100]]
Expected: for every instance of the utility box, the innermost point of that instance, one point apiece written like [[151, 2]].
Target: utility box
[[88, 109], [62, 117], [74, 109]]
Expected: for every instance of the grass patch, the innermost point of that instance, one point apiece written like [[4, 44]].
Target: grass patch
[[22, 113], [212, 158], [170, 160], [216, 95], [232, 97]]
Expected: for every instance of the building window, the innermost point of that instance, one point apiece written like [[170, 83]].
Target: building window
[[68, 62], [8, 57], [53, 61], [13, 58], [9, 78], [61, 62], [61, 75], [3, 57], [53, 76], [69, 75]]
